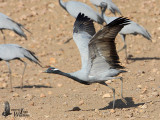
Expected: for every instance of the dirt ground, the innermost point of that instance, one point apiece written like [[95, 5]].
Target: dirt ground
[[50, 96]]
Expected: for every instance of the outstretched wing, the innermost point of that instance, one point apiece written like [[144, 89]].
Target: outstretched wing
[[102, 49], [82, 33]]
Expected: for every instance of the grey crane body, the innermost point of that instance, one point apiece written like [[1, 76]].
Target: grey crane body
[[132, 28], [75, 7], [10, 52], [8, 23], [106, 3], [100, 61], [13, 51]]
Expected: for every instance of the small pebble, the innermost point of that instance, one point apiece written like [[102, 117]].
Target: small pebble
[[139, 86], [59, 85], [112, 111], [107, 95], [144, 106], [32, 103], [108, 82], [49, 92], [15, 95], [96, 111], [81, 102], [42, 95]]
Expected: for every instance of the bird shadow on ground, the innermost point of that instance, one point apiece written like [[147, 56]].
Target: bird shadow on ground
[[119, 104], [34, 86], [142, 58]]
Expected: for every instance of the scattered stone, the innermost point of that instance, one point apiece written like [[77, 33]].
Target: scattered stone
[[52, 60], [32, 103], [107, 95], [65, 103], [94, 89], [154, 70], [42, 95], [139, 86], [129, 115], [29, 97], [144, 91], [49, 92], [81, 102], [4, 85], [96, 111], [65, 95], [151, 79], [112, 111], [51, 5], [108, 82], [59, 85], [15, 95], [144, 106]]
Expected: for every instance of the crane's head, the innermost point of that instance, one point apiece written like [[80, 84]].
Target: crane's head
[[52, 70]]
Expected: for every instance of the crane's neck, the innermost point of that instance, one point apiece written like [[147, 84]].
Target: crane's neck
[[103, 9], [73, 77], [62, 4], [105, 18]]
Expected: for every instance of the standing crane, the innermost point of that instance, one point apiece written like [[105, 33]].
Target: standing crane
[[99, 58], [8, 23], [10, 52], [108, 4], [132, 28]]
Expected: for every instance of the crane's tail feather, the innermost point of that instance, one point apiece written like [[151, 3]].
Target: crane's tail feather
[[147, 35], [32, 57], [20, 26]]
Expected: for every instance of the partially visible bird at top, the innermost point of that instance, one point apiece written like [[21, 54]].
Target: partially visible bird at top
[[9, 24], [132, 28], [99, 58], [10, 52], [108, 4], [75, 7], [6, 111]]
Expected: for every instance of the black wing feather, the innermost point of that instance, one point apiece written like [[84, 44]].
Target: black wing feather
[[84, 24]]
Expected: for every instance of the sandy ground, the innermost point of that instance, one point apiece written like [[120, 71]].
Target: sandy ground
[[51, 97]]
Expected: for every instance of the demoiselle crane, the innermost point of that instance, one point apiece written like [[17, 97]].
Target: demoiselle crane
[[75, 7], [106, 3], [132, 28], [100, 61], [8, 23], [10, 52]]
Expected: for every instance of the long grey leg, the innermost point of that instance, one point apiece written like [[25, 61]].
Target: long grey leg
[[25, 64], [122, 98], [10, 76], [113, 92], [121, 86], [3, 36], [124, 47]]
